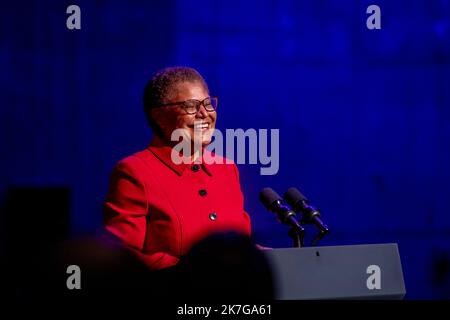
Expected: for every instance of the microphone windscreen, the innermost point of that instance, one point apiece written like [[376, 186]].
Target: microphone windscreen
[[268, 196], [293, 196]]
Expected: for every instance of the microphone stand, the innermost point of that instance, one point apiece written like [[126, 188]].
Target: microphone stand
[[286, 216], [319, 237], [297, 234]]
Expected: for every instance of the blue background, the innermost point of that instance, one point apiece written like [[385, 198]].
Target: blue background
[[364, 116]]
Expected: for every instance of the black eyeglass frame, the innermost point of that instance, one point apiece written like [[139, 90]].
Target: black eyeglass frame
[[197, 106]]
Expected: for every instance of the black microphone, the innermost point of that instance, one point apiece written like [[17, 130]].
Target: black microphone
[[300, 204], [274, 203]]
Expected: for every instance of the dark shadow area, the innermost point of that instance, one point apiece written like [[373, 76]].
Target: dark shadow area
[[39, 256], [226, 267], [34, 222]]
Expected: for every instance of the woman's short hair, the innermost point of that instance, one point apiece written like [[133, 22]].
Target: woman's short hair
[[160, 86]]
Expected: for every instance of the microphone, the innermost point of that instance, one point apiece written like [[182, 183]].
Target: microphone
[[301, 204], [274, 203]]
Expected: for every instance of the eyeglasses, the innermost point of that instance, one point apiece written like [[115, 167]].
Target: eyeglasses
[[192, 106]]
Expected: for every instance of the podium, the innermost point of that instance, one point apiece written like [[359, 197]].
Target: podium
[[337, 272]]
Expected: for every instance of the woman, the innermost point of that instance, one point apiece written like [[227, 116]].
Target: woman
[[160, 207]]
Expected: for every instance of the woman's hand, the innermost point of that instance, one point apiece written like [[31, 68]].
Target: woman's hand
[[262, 247]]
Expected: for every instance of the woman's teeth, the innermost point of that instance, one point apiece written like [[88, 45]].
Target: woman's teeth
[[201, 126]]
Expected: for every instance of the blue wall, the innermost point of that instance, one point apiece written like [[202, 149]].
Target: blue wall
[[364, 116]]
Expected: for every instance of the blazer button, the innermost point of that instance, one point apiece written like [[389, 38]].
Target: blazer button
[[195, 167], [202, 192], [213, 216]]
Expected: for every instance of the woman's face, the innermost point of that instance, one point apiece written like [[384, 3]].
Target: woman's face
[[174, 117]]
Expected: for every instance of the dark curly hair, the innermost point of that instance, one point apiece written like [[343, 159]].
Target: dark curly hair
[[161, 84]]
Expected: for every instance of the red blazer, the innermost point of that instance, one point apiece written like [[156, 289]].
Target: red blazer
[[160, 209]]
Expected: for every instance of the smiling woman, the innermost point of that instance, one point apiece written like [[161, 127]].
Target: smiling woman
[[189, 107], [158, 208]]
